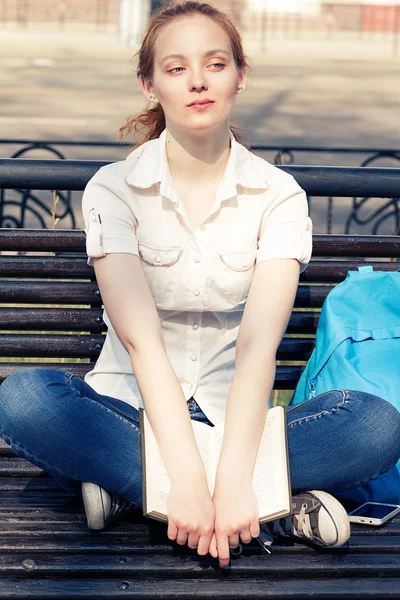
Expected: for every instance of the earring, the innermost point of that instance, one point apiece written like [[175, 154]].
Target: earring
[[152, 97], [240, 89]]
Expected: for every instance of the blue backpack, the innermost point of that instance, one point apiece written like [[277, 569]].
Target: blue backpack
[[357, 347]]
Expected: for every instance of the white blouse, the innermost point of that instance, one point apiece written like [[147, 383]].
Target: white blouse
[[200, 279]]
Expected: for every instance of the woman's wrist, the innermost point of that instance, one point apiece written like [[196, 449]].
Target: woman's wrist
[[241, 475], [189, 475]]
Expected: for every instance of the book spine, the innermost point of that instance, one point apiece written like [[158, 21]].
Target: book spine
[[287, 454], [143, 456]]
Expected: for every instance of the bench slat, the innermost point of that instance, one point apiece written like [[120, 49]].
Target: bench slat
[[27, 319], [47, 240], [49, 292], [120, 540], [276, 566], [72, 268], [316, 180], [14, 587], [336, 271], [18, 467], [45, 266], [77, 319], [89, 346], [72, 240], [65, 292], [63, 517], [42, 345], [24, 489], [356, 245]]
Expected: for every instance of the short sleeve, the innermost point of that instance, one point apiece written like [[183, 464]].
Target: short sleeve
[[110, 224], [286, 228]]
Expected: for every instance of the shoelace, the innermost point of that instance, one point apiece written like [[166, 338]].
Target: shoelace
[[302, 527], [304, 523]]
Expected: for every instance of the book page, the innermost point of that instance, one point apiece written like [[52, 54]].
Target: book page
[[155, 476], [164, 484], [271, 482], [270, 476], [264, 479]]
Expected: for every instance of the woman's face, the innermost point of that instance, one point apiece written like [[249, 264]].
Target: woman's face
[[193, 62]]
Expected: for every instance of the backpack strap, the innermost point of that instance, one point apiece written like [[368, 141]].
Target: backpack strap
[[361, 271]]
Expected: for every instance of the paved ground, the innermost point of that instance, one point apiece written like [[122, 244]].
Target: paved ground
[[75, 86]]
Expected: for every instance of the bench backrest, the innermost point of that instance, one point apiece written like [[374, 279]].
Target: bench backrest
[[51, 308]]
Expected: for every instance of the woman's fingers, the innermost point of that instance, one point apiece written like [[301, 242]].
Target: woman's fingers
[[204, 544], [255, 528], [193, 540], [172, 530], [182, 536], [213, 546], [245, 536], [223, 549]]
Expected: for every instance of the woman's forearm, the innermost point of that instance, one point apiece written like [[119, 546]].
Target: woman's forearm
[[167, 411], [247, 408]]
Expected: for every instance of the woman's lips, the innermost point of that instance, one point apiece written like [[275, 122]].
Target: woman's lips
[[201, 107]]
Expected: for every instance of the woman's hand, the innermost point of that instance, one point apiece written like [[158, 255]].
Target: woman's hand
[[191, 514], [236, 517]]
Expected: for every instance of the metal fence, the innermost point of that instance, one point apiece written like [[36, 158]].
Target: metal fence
[[342, 199]]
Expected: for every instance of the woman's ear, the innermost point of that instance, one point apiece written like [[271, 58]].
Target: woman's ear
[[242, 81], [147, 89]]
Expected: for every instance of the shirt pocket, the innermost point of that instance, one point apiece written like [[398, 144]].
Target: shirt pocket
[[235, 272], [162, 268]]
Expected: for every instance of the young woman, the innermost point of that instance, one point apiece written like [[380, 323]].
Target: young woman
[[197, 246]]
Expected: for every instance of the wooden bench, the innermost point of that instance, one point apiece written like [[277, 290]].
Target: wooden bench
[[50, 308]]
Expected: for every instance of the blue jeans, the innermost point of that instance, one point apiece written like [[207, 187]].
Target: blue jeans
[[337, 441]]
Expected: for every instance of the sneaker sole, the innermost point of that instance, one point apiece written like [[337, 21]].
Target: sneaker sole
[[93, 503], [338, 513]]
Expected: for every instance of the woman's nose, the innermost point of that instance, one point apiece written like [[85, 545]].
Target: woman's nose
[[197, 82]]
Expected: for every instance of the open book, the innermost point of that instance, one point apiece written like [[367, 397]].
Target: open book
[[271, 475]]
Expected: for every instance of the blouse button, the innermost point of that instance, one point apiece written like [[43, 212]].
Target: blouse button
[[195, 326], [93, 217], [244, 264], [197, 258], [196, 292], [190, 386], [158, 258], [194, 357]]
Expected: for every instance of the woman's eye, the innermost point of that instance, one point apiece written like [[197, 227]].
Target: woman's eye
[[219, 66]]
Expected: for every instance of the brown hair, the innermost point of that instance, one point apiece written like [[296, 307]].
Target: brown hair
[[150, 122]]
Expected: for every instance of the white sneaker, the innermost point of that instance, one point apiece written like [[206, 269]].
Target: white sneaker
[[317, 517], [102, 507]]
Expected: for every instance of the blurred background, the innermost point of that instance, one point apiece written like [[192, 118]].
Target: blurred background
[[324, 90]]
